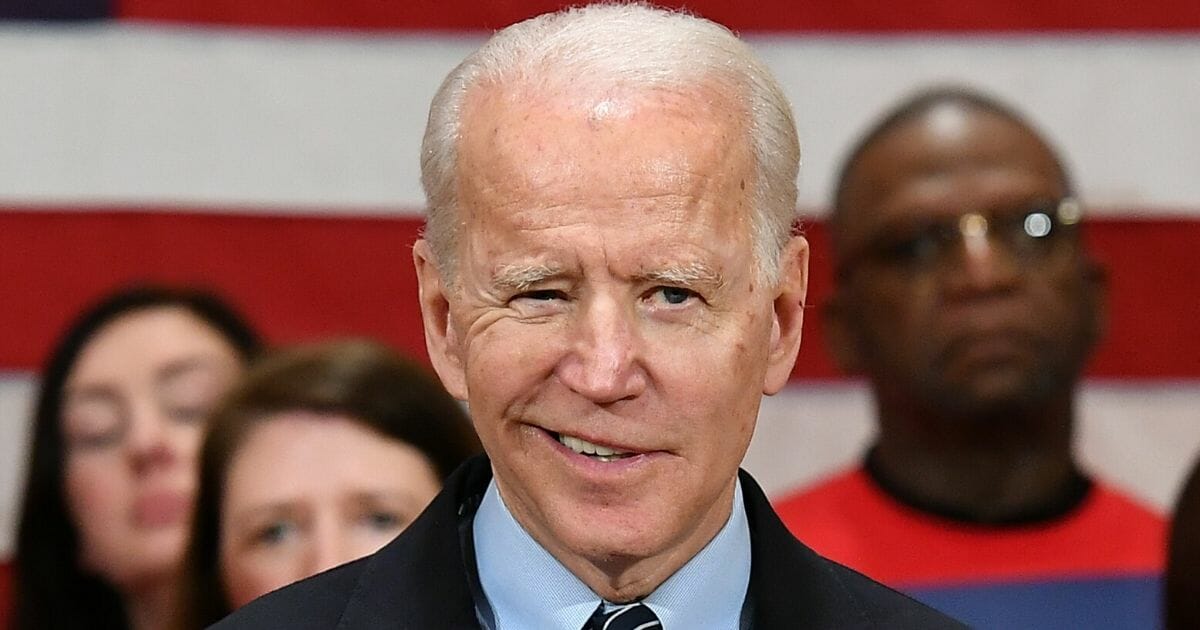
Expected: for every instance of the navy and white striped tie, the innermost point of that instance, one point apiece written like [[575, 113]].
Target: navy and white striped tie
[[635, 616]]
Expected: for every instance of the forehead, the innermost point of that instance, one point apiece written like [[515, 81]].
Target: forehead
[[948, 161], [535, 155], [144, 340], [276, 457]]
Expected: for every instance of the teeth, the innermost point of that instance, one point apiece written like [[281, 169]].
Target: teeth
[[602, 453]]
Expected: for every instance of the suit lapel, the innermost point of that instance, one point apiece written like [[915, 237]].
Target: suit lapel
[[790, 585]]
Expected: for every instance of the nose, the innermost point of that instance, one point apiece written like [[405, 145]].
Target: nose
[[603, 363], [985, 265], [149, 443], [328, 548]]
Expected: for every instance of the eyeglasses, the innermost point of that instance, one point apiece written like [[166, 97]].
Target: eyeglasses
[[1028, 235]]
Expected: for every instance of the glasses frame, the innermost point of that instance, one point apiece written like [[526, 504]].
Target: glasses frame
[[932, 244]]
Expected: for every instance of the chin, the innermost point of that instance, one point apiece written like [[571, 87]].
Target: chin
[[611, 538], [988, 403]]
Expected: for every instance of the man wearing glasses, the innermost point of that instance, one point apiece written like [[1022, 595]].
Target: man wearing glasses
[[965, 296]]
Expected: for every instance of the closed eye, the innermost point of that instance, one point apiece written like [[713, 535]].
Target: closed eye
[[539, 303], [541, 295]]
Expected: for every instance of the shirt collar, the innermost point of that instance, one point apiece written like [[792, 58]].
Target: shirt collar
[[527, 587]]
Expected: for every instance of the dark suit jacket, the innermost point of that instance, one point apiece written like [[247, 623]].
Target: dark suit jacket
[[426, 577]]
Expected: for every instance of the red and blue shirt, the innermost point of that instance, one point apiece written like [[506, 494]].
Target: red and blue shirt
[[1097, 565]]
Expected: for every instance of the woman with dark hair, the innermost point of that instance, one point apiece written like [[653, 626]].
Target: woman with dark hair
[[111, 477], [320, 455]]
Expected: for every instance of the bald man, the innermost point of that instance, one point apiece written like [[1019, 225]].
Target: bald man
[[966, 298]]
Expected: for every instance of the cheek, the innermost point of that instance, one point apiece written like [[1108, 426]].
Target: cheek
[[888, 322], [97, 490], [249, 575], [507, 362], [366, 541], [98, 497], [714, 386]]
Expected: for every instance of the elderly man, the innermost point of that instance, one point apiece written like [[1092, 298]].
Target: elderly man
[[966, 298], [609, 278]]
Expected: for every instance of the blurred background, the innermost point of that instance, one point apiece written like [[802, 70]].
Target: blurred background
[[268, 150]]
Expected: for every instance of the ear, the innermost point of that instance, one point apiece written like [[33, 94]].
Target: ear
[[788, 314], [840, 337], [440, 337]]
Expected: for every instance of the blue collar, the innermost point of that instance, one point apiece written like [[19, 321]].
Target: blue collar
[[527, 587]]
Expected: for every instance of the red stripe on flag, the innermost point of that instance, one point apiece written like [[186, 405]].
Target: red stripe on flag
[[308, 277], [764, 15]]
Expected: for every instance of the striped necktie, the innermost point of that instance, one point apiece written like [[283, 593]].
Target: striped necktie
[[635, 616]]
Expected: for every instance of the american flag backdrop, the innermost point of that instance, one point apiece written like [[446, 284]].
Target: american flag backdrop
[[268, 149]]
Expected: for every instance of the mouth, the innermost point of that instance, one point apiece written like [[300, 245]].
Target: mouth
[[989, 345], [161, 508], [597, 452]]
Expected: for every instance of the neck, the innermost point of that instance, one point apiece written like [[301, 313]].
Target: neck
[[1014, 465], [151, 607]]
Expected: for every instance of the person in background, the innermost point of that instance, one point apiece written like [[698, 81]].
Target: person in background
[[123, 401], [1181, 591], [320, 455], [610, 278], [967, 299]]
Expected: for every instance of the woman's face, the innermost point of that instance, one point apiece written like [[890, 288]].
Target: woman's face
[[134, 407], [306, 492]]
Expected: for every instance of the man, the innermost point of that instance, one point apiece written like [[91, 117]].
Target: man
[[1181, 582], [609, 278], [965, 297]]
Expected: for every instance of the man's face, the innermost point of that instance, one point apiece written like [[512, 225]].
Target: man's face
[[988, 322], [606, 293]]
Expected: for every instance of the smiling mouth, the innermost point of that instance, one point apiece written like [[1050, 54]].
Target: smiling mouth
[[594, 451]]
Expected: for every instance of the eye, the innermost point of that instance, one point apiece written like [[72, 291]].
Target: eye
[[1037, 224], [915, 248], [539, 303], [383, 520], [96, 441], [275, 533], [673, 296], [93, 425], [541, 295], [1034, 231], [910, 250]]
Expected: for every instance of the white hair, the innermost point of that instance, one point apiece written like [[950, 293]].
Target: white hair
[[633, 45]]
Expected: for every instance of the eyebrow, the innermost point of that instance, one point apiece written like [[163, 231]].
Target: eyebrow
[[523, 277], [293, 505], [175, 369], [691, 274], [87, 393], [253, 515]]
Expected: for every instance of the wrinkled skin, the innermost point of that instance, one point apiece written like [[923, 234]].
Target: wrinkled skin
[[606, 290]]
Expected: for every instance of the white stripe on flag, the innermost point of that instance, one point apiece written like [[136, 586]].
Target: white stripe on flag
[[215, 117], [17, 392]]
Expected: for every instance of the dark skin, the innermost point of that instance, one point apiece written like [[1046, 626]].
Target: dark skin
[[1182, 589], [973, 361]]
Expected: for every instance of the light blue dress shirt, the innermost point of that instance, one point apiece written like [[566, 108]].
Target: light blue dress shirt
[[527, 587]]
